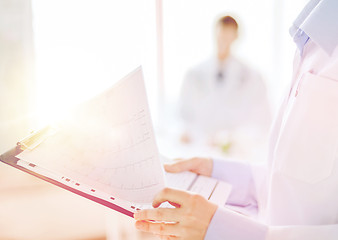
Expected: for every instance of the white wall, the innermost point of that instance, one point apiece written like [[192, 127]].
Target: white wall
[[16, 74]]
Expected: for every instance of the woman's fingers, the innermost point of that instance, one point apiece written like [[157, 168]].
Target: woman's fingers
[[171, 195], [158, 228], [197, 165], [181, 165], [159, 214]]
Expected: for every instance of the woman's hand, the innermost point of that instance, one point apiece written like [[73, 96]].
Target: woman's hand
[[202, 166], [189, 220]]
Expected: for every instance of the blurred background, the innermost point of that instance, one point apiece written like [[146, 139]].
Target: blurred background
[[55, 54]]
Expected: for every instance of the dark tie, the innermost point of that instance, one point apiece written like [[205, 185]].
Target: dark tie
[[220, 77]]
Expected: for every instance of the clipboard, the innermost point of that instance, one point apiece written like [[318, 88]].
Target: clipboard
[[220, 191], [125, 134], [33, 140]]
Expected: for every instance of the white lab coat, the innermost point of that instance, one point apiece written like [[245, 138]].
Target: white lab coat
[[209, 105], [297, 196], [303, 180]]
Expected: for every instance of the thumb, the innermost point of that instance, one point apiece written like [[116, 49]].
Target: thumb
[[179, 166]]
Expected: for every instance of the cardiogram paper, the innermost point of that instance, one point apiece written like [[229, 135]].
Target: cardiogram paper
[[108, 143]]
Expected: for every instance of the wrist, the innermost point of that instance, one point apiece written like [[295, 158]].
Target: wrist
[[211, 212]]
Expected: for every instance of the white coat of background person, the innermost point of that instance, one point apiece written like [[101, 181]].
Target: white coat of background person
[[296, 196], [222, 94]]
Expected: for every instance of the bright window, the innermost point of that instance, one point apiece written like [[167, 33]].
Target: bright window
[[84, 46]]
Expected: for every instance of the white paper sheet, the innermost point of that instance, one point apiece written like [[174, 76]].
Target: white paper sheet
[[108, 143]]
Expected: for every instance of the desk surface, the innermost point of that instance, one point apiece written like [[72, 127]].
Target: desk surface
[[34, 209]]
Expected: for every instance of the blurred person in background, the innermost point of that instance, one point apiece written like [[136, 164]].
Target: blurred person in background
[[223, 96]]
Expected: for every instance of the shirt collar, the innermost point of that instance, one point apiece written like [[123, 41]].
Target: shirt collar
[[319, 22]]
